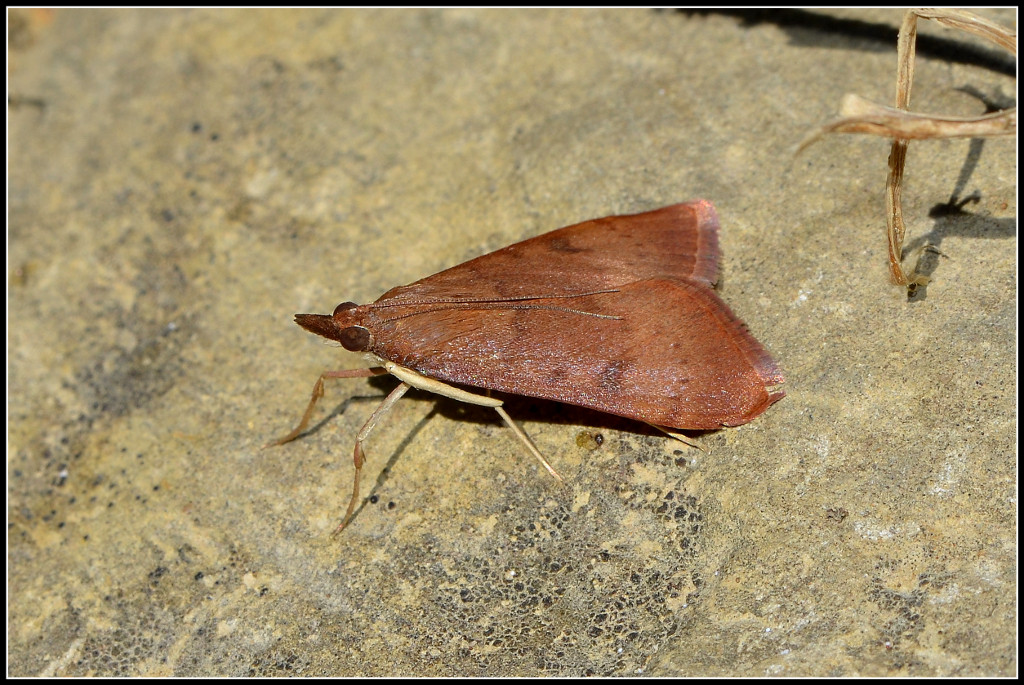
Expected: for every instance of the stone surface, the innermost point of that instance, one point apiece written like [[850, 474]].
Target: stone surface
[[181, 183]]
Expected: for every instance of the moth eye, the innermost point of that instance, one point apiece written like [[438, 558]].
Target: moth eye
[[344, 307], [356, 339]]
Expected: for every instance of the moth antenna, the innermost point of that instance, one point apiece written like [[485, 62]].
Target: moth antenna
[[476, 300], [514, 304]]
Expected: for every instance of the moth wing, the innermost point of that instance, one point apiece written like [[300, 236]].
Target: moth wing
[[664, 351], [679, 241]]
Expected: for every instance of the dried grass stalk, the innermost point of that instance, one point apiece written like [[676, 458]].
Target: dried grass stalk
[[860, 115]]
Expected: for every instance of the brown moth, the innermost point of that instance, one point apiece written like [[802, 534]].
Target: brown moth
[[615, 314]]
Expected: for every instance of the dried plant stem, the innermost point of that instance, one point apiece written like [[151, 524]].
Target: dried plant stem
[[859, 115]]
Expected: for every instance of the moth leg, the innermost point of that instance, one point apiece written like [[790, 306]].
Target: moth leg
[[678, 436], [521, 434], [359, 457], [418, 380], [318, 392]]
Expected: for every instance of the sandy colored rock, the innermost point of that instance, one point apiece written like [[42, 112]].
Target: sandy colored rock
[[181, 183]]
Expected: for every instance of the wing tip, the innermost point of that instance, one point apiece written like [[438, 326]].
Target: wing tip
[[708, 254]]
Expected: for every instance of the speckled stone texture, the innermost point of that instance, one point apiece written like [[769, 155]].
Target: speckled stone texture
[[183, 182]]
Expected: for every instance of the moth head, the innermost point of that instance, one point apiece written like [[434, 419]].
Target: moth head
[[344, 325]]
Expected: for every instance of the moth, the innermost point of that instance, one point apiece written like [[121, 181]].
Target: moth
[[616, 314]]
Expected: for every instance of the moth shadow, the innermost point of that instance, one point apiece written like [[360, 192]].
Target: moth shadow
[[519, 408], [531, 409], [337, 410]]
